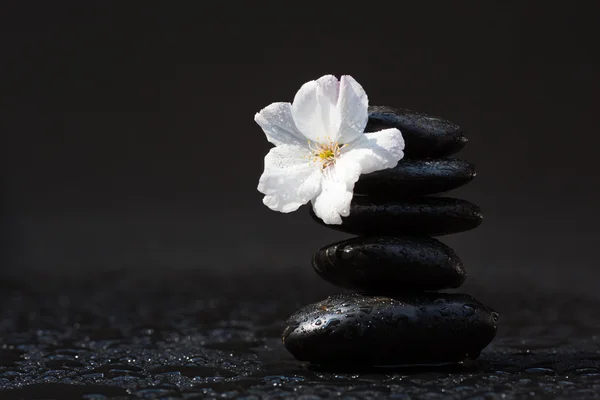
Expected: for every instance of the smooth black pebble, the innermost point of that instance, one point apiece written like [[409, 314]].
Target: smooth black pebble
[[390, 265], [414, 178], [427, 328], [425, 216], [425, 136]]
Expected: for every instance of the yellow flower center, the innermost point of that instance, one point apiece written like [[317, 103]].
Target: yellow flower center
[[325, 153]]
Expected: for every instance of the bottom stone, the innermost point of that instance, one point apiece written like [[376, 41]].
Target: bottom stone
[[426, 328]]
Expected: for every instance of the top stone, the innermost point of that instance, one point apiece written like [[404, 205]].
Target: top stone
[[425, 136]]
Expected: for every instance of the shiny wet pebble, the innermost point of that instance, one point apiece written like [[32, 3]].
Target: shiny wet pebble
[[429, 216], [414, 178], [426, 328], [424, 135], [384, 264]]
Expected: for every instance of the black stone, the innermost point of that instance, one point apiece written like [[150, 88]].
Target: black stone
[[382, 264], [414, 178], [427, 328], [426, 216], [425, 136]]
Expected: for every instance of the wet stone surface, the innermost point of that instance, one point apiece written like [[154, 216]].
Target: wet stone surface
[[414, 178], [430, 216], [388, 265], [424, 328], [146, 334], [425, 136]]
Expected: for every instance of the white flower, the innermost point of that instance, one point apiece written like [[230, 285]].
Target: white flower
[[321, 148]]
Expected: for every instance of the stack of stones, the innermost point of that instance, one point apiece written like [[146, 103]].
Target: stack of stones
[[397, 317]]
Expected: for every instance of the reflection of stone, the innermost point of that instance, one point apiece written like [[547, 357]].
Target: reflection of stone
[[393, 320]]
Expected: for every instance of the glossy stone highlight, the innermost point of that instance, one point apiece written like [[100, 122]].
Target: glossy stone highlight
[[424, 328], [414, 178], [425, 136], [390, 265], [426, 216]]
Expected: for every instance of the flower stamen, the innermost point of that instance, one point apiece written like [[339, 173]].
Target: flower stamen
[[325, 154]]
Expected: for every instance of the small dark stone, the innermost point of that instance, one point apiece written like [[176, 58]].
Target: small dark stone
[[428, 216], [425, 136], [382, 264], [414, 178], [426, 328]]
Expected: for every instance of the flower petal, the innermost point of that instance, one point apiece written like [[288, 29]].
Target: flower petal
[[278, 124], [373, 151], [369, 153], [307, 112], [333, 202], [328, 90], [289, 179], [352, 106]]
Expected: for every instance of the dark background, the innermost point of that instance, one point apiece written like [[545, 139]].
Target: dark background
[[128, 138]]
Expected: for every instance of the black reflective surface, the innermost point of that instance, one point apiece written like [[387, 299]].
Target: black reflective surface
[[161, 333]]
